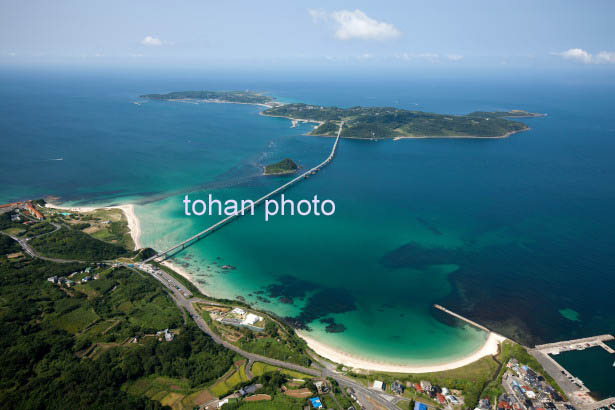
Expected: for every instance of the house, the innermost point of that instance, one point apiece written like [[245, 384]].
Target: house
[[316, 403], [86, 279], [379, 385], [452, 399], [244, 391], [397, 387], [53, 279], [484, 404], [419, 388], [504, 405], [168, 335], [441, 398], [425, 385]]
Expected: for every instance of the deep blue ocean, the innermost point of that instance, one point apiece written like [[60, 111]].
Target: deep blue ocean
[[516, 233]]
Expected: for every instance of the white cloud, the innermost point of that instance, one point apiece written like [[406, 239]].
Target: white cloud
[[152, 41], [605, 57], [430, 57], [318, 15], [576, 54], [454, 57], [356, 25], [583, 56]]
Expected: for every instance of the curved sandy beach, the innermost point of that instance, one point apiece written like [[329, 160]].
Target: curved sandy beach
[[491, 347]]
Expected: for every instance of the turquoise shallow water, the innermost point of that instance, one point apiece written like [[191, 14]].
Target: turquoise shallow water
[[509, 232]]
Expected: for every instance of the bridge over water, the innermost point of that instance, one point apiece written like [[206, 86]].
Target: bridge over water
[[193, 239]]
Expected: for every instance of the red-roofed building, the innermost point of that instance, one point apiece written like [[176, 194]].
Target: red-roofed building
[[441, 398], [35, 213], [418, 388]]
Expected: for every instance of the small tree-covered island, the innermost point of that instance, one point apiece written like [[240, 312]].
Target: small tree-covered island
[[286, 166], [372, 122]]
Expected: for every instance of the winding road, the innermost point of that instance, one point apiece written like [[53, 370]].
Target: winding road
[[324, 370]]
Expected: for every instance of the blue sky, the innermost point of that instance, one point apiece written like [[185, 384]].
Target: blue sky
[[312, 33]]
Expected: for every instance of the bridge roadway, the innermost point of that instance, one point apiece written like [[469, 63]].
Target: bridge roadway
[[202, 234]]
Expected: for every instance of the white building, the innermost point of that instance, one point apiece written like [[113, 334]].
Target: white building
[[251, 319], [238, 311], [379, 385]]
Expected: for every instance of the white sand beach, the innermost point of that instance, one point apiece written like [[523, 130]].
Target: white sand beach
[[491, 347]]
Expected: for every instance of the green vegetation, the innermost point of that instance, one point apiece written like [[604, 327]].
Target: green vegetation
[[505, 114], [371, 122], [272, 383], [107, 224], [278, 341], [74, 347], [341, 398], [231, 382], [172, 392], [7, 245], [38, 229], [388, 122], [245, 97], [286, 166], [278, 402], [259, 369], [286, 349], [76, 245]]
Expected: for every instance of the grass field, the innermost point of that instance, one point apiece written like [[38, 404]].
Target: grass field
[[172, 392], [259, 368], [280, 401], [14, 231], [76, 320], [270, 347], [228, 384]]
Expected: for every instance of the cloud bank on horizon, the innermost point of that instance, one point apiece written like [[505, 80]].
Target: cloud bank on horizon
[[355, 24], [485, 34], [583, 56]]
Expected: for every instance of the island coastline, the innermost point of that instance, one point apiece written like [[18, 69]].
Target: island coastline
[[490, 347], [296, 121]]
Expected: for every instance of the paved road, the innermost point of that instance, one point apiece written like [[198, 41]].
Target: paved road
[[321, 370], [23, 242]]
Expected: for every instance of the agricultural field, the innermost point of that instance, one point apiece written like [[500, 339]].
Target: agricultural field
[[229, 382], [259, 369], [172, 392]]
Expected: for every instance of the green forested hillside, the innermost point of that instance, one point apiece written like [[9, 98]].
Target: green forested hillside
[[73, 348], [388, 122]]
